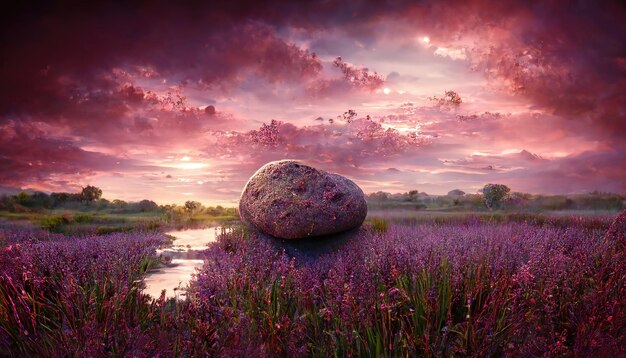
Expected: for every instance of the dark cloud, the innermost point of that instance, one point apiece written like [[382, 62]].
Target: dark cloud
[[28, 155], [566, 57], [585, 172], [76, 75]]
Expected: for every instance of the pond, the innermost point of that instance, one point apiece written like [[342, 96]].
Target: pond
[[182, 259]]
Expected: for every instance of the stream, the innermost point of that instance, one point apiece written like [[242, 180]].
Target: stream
[[182, 260]]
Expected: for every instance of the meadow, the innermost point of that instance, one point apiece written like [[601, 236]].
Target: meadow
[[464, 285], [441, 178], [90, 220]]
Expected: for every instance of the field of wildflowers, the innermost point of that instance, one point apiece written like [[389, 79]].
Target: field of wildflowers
[[467, 287], [73, 296]]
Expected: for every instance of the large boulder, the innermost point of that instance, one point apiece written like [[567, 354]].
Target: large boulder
[[290, 200]]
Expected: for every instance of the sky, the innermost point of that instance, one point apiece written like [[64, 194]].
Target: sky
[[185, 102]]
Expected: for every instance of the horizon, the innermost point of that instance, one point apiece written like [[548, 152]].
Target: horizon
[[4, 191], [430, 97]]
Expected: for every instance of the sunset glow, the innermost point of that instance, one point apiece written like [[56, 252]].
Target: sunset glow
[[137, 100], [388, 178]]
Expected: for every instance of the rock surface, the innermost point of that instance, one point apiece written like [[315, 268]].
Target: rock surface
[[291, 200]]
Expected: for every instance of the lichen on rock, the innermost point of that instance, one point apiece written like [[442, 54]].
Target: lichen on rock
[[291, 200]]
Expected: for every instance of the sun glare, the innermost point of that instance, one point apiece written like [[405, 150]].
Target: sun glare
[[190, 166]]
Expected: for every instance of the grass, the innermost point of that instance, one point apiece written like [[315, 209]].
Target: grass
[[502, 285], [478, 289], [80, 222], [74, 293], [84, 223], [378, 224], [597, 219]]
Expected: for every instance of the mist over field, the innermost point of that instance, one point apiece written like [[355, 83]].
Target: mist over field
[[267, 178]]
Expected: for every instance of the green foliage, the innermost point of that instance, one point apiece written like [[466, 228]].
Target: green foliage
[[457, 200], [119, 203], [494, 194], [59, 199], [192, 206], [196, 212], [54, 222], [83, 218], [22, 198], [91, 193], [147, 205]]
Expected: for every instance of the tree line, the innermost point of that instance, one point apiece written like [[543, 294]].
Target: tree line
[[90, 199], [496, 196]]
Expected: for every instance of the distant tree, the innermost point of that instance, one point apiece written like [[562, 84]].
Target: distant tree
[[494, 193], [474, 201], [23, 199], [525, 196], [167, 207], [515, 199], [169, 211], [91, 193], [60, 198], [379, 196], [119, 203], [456, 192], [6, 202], [192, 206], [41, 200], [147, 205], [216, 211], [102, 203]]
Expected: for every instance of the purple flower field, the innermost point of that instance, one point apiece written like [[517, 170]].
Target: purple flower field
[[463, 287], [67, 296], [392, 178]]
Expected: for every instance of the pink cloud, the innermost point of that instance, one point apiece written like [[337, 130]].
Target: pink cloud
[[344, 146], [148, 81], [30, 157]]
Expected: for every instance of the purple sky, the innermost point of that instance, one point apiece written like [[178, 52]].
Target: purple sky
[[176, 103]]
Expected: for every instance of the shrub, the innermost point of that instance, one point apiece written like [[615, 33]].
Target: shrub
[[53, 223], [83, 218]]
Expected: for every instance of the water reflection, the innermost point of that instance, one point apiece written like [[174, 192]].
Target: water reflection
[[182, 259]]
